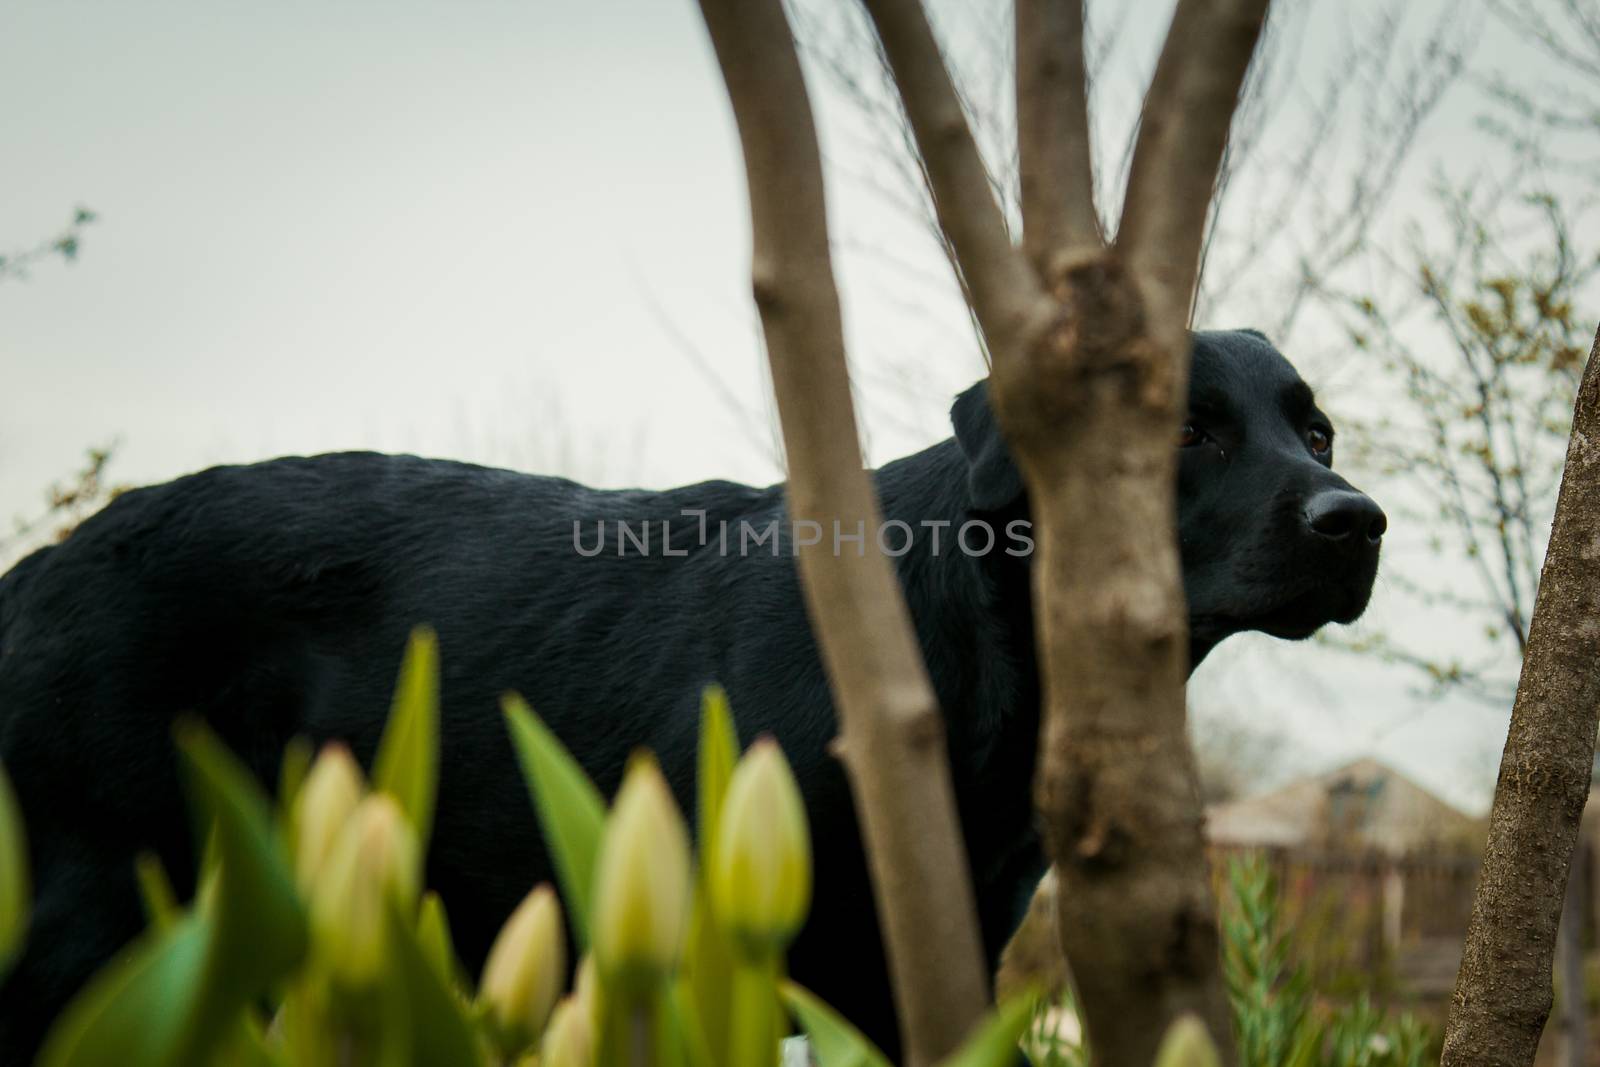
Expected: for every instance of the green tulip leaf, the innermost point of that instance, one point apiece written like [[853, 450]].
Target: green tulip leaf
[[138, 1011], [993, 1042], [834, 1042], [260, 923], [184, 988], [297, 758], [719, 751], [433, 937], [684, 1023], [14, 892], [708, 960], [708, 966], [441, 1031], [247, 1046], [407, 763], [571, 811], [155, 891], [681, 1042]]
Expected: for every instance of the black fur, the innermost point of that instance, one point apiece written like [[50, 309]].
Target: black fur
[[275, 599]]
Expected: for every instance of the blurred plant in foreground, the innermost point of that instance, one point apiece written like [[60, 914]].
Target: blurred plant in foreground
[[312, 941]]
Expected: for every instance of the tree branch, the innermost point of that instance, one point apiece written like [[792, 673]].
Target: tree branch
[[1503, 995], [1006, 294], [893, 735], [1086, 382], [1053, 145], [1182, 132], [1089, 407]]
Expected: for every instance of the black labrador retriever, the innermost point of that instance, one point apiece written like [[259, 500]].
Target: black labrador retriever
[[275, 599]]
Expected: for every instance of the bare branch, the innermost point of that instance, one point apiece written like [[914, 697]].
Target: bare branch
[[14, 266], [1053, 144], [1502, 996], [1006, 295], [893, 734], [754, 425], [1182, 132]]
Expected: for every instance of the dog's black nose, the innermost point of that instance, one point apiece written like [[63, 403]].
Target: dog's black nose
[[1343, 514]]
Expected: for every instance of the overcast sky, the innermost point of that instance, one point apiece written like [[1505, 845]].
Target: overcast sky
[[513, 233]]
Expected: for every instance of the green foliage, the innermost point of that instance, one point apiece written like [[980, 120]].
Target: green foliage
[[720, 1006], [1278, 1020], [188, 991], [1271, 996], [996, 1038], [1279, 1023], [184, 989], [427, 1001], [310, 943], [834, 1042], [137, 1010], [14, 892], [433, 937], [571, 810], [161, 908], [407, 764], [259, 922], [241, 975], [1053, 1037], [1480, 346], [709, 966], [719, 751]]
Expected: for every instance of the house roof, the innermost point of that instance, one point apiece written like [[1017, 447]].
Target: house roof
[[1366, 804]]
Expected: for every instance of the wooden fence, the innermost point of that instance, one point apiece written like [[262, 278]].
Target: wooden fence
[[1389, 923]]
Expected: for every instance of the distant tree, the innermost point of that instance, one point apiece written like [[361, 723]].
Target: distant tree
[[1503, 990], [1552, 123], [69, 502], [66, 503], [15, 266], [1484, 345], [1354, 127], [1489, 380]]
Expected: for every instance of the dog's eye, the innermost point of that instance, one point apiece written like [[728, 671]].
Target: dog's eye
[[1190, 435], [1320, 440]]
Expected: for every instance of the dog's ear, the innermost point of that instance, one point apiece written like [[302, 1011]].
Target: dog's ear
[[1255, 333], [993, 481]]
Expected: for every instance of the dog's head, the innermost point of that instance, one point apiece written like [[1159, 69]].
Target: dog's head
[[1271, 538]]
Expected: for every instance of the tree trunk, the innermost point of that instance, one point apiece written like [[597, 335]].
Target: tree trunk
[[892, 734], [1090, 418], [1090, 350], [1503, 993], [1569, 957]]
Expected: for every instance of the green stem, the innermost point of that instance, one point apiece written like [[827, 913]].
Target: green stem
[[628, 1030], [643, 1036], [754, 1020]]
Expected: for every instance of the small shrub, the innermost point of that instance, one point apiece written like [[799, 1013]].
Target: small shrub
[[1278, 1021]]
